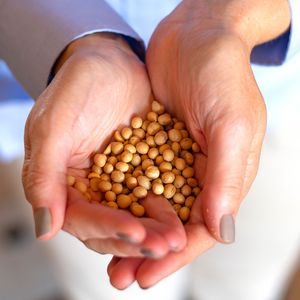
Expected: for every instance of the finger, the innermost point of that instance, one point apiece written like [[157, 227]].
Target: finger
[[122, 280], [44, 180], [150, 272], [154, 246], [168, 225], [91, 221], [112, 263], [229, 149]]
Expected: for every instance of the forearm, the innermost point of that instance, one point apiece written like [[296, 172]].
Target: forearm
[[253, 21]]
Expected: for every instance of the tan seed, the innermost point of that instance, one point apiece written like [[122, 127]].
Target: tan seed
[[196, 147], [175, 146], [152, 172], [152, 116], [131, 182], [137, 209], [169, 190], [189, 201], [139, 132], [123, 201], [147, 163], [140, 192], [107, 150], [136, 122], [177, 207], [184, 213], [186, 143], [134, 140], [150, 141], [179, 181], [180, 163], [146, 124], [144, 182], [174, 135], [162, 148], [192, 182], [110, 196], [104, 186], [159, 159], [122, 166], [179, 125], [116, 148], [157, 107], [117, 176], [94, 184], [188, 172], [97, 169], [179, 198], [164, 119], [168, 177], [80, 187], [126, 133], [136, 160], [186, 190], [165, 167], [70, 180], [126, 156], [117, 188], [153, 128], [168, 155], [111, 204], [105, 177], [118, 137], [142, 147], [130, 148], [160, 138], [100, 160], [157, 188], [153, 153], [108, 168]]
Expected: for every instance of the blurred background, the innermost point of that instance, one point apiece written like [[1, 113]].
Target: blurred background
[[263, 263]]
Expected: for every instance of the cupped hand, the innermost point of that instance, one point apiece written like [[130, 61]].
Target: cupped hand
[[202, 74], [100, 85]]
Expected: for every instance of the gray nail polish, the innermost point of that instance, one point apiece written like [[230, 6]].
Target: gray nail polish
[[227, 229], [126, 238], [42, 219], [148, 253]]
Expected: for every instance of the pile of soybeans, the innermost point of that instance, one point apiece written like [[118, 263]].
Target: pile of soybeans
[[156, 154]]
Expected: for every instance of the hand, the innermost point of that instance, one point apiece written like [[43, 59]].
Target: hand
[[199, 67], [99, 85]]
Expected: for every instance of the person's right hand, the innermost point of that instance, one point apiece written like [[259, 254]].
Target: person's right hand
[[100, 84]]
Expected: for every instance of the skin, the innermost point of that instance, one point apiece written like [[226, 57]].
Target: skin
[[199, 65], [99, 84], [192, 73]]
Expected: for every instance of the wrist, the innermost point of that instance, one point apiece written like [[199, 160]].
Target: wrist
[[94, 45], [254, 22]]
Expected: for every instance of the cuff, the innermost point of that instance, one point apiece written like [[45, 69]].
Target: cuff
[[283, 48]]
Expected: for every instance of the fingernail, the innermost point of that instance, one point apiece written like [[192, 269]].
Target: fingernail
[[126, 238], [227, 229], [148, 253], [42, 220]]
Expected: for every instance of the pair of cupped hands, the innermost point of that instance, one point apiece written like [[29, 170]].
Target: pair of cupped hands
[[202, 75]]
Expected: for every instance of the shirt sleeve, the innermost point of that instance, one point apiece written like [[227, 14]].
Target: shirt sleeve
[[283, 48], [33, 33]]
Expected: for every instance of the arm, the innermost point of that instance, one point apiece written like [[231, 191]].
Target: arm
[[33, 34], [199, 65]]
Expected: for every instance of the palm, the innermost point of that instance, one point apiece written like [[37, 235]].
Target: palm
[[76, 116]]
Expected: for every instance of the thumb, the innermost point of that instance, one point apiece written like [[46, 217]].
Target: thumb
[[231, 168], [44, 181]]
